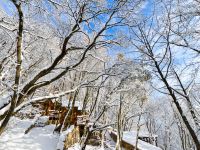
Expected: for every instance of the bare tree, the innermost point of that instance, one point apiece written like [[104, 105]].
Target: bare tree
[[80, 15], [154, 44]]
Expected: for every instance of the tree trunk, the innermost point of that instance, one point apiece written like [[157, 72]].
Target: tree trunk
[[18, 68], [85, 138], [138, 130], [175, 100], [119, 128]]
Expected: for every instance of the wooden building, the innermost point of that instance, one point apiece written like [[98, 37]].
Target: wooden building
[[129, 140], [57, 111]]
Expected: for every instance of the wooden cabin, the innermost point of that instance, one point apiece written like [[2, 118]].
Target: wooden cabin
[[149, 139], [57, 111], [129, 140]]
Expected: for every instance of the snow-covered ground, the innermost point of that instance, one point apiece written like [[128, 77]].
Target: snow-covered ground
[[39, 138], [43, 138]]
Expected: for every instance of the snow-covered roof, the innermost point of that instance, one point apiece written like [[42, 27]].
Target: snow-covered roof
[[65, 102], [141, 134], [130, 137]]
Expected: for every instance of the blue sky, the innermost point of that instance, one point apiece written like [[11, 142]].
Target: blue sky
[[6, 6], [9, 9], [128, 51]]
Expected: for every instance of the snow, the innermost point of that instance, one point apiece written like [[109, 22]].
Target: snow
[[4, 100], [88, 147], [41, 121], [62, 137], [39, 138], [3, 110], [130, 137], [109, 141], [65, 103], [141, 134], [29, 111], [39, 99]]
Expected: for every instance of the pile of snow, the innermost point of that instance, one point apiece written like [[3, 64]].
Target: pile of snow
[[39, 138], [41, 121]]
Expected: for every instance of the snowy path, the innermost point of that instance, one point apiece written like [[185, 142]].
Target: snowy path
[[37, 139]]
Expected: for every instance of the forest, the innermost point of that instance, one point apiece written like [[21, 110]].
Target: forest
[[99, 74]]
